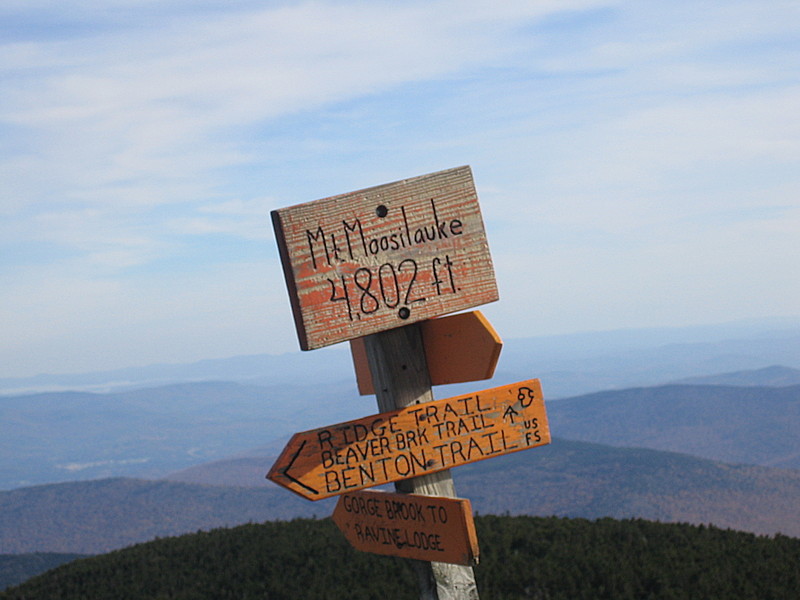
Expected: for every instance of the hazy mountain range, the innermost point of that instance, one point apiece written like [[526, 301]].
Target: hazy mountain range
[[573, 479], [68, 436], [673, 425], [569, 364], [570, 478], [748, 425], [137, 431]]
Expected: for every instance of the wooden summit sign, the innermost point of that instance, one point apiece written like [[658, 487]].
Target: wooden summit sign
[[383, 257], [413, 441]]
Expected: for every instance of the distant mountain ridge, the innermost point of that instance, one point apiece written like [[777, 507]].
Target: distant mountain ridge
[[573, 364], [253, 369], [67, 436], [747, 425], [565, 479], [772, 376], [577, 479], [64, 436]]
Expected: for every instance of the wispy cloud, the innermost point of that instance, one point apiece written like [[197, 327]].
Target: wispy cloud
[[144, 143], [126, 119], [110, 109]]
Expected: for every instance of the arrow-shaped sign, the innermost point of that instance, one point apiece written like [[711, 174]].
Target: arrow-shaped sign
[[416, 440], [458, 348], [428, 528]]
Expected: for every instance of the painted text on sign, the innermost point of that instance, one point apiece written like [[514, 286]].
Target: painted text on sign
[[383, 257], [414, 441], [409, 526]]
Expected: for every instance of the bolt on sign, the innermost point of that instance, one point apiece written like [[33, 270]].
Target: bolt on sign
[[413, 441], [427, 528], [383, 257]]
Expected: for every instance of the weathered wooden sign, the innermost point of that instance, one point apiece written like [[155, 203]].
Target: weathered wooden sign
[[413, 441], [458, 348], [383, 257], [428, 528]]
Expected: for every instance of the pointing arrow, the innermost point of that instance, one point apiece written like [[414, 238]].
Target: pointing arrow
[[416, 440], [285, 471], [458, 348]]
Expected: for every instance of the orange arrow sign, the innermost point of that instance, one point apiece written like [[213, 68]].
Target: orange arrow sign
[[416, 440], [458, 348], [427, 528]]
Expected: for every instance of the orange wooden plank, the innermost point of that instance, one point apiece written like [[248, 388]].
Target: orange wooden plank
[[430, 528], [413, 441], [383, 257], [458, 348], [462, 347]]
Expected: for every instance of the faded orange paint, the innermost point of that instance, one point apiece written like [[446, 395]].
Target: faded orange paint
[[383, 257], [430, 528], [458, 348], [413, 441]]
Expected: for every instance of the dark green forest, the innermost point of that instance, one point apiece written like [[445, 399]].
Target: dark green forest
[[521, 557], [16, 568]]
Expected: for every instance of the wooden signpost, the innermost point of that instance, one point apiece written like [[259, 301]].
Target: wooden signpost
[[413, 441], [409, 526], [401, 380], [458, 348], [377, 266], [384, 257]]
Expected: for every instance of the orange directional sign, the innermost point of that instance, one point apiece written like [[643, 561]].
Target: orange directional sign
[[416, 440], [427, 528], [384, 257], [458, 348]]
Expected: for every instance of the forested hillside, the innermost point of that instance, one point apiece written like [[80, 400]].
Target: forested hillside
[[521, 557], [91, 517], [747, 425], [579, 479], [566, 478], [16, 568]]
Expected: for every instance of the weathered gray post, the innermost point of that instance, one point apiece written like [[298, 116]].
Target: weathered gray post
[[400, 377], [373, 264]]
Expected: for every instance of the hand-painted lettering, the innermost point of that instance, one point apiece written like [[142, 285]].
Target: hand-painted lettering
[[413, 441]]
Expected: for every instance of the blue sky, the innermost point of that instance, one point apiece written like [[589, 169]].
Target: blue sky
[[637, 163]]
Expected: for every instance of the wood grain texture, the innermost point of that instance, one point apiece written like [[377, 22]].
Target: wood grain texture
[[418, 440], [458, 348], [427, 528], [384, 257], [401, 379], [473, 426]]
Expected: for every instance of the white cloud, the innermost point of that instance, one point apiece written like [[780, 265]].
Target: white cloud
[[130, 119], [64, 318], [154, 104], [631, 158], [248, 219], [664, 163]]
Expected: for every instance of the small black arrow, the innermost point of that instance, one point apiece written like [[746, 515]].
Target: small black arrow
[[285, 470]]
